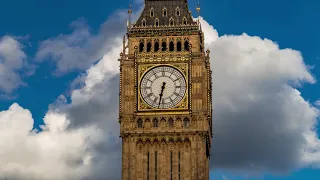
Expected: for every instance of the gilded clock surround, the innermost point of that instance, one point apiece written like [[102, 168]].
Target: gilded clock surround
[[165, 144], [183, 104]]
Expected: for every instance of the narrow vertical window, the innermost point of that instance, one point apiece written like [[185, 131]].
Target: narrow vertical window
[[165, 12], [171, 22], [171, 156], [155, 123], [179, 168], [149, 45], [141, 47], [178, 11], [171, 46], [157, 22], [184, 20], [139, 123], [186, 122], [164, 46], [151, 12], [144, 23], [156, 165], [148, 166], [156, 47], [186, 45], [170, 122], [179, 48]]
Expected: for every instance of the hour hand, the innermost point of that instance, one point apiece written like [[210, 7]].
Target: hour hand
[[161, 94]]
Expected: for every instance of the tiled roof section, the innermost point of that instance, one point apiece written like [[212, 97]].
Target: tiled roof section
[[158, 7]]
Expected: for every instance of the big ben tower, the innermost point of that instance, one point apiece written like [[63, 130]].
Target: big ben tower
[[165, 110]]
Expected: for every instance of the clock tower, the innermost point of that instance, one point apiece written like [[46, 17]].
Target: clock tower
[[165, 109]]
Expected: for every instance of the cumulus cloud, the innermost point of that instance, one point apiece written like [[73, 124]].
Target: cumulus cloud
[[12, 60], [80, 49], [78, 141], [261, 121]]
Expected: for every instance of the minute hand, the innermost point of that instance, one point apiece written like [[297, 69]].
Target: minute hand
[[161, 94]]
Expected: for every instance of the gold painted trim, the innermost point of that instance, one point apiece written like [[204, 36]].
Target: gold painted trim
[[165, 113], [183, 104]]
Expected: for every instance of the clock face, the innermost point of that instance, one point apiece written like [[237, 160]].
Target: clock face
[[163, 87]]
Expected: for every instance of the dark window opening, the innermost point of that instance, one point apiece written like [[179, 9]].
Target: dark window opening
[[155, 123], [164, 46], [139, 123], [171, 46], [186, 46], [178, 12], [184, 22], [157, 23], [149, 47], [156, 47], [164, 12], [141, 47], [170, 122], [151, 13], [171, 22], [179, 46], [144, 23]]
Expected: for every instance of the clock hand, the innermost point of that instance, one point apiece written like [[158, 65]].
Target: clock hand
[[161, 94]]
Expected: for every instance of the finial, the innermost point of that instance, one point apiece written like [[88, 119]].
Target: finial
[[130, 10], [198, 9], [129, 17]]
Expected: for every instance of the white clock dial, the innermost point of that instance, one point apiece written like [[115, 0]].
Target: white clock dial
[[163, 87]]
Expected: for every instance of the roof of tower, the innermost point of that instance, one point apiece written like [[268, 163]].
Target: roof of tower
[[164, 13]]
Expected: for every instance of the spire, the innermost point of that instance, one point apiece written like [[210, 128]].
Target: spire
[[198, 10], [129, 16], [161, 13]]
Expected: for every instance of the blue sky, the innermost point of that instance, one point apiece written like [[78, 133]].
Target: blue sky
[[290, 23]]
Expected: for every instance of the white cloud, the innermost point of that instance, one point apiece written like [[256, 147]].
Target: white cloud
[[80, 49], [12, 59], [261, 122], [78, 141]]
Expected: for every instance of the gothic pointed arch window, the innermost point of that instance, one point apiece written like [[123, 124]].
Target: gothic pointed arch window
[[171, 22], [151, 12], [155, 122], [186, 45], [171, 122], [177, 11], [149, 46], [179, 46], [171, 46], [156, 46], [165, 12], [164, 46], [144, 23], [156, 22], [139, 123], [184, 21], [141, 47]]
